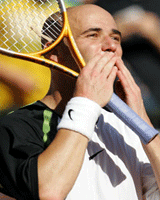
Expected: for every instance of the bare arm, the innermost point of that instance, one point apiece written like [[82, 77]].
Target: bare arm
[[153, 152], [60, 163], [16, 78], [132, 96]]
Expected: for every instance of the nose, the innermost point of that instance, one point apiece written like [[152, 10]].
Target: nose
[[109, 44]]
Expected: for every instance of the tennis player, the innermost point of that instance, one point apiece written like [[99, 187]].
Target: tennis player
[[65, 146]]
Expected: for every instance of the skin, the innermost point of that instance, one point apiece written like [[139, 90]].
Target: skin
[[99, 42]]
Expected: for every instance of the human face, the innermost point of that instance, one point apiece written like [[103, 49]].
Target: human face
[[94, 31]]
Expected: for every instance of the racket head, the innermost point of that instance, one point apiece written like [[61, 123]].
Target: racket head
[[22, 36], [21, 24]]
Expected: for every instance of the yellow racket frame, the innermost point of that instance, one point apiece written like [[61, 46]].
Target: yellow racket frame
[[37, 56]]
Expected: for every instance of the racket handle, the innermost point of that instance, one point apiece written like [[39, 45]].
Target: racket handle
[[145, 132]]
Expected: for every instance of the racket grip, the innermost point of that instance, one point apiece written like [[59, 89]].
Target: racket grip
[[145, 132]]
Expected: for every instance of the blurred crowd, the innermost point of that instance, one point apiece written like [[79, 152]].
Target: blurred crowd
[[22, 82]]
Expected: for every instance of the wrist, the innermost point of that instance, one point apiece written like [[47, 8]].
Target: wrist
[[80, 115]]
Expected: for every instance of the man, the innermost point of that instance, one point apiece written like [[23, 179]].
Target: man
[[92, 155], [138, 22]]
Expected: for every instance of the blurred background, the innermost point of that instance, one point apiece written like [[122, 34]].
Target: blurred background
[[23, 82]]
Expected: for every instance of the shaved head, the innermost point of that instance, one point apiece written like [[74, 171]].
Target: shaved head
[[90, 20], [80, 15]]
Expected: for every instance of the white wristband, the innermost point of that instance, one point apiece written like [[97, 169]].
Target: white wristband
[[80, 115]]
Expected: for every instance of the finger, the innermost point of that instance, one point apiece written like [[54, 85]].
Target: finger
[[109, 66], [103, 61], [126, 78], [129, 86], [126, 84], [112, 75], [110, 82], [91, 64], [126, 73]]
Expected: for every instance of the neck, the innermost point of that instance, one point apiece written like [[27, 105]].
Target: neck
[[52, 100], [55, 102], [60, 92]]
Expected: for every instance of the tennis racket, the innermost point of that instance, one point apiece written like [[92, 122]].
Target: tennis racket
[[22, 36]]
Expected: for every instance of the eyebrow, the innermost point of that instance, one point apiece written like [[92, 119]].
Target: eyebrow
[[115, 31], [91, 29]]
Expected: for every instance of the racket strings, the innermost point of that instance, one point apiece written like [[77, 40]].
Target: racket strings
[[51, 28], [21, 23]]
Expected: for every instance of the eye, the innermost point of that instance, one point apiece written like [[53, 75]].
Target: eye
[[117, 38], [92, 35]]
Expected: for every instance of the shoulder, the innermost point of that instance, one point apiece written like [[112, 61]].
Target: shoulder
[[20, 114], [24, 121], [23, 126], [28, 122]]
